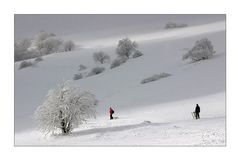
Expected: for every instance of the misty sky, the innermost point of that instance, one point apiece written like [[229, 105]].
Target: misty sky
[[87, 27]]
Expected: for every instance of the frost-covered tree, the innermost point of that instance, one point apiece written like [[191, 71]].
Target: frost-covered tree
[[65, 108], [43, 44], [126, 47], [101, 57], [49, 45], [203, 49], [22, 45], [41, 36], [68, 46], [21, 49]]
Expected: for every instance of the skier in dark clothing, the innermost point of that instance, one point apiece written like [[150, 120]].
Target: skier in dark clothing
[[197, 111], [111, 111]]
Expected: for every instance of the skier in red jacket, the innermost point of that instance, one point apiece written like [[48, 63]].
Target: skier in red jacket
[[111, 111]]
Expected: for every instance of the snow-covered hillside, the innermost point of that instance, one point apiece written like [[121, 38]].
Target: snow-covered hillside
[[156, 113]]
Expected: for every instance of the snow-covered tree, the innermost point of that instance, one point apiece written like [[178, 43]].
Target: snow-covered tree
[[126, 47], [65, 108], [21, 49], [22, 45], [101, 57], [68, 46], [44, 43], [203, 49], [41, 36], [49, 45]]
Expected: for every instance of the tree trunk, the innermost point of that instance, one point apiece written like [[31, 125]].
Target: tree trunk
[[63, 126]]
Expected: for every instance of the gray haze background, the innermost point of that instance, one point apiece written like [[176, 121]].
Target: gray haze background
[[90, 27]]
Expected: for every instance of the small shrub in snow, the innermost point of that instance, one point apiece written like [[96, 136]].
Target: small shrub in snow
[[171, 25], [82, 67], [68, 46], [101, 57], [137, 54], [118, 61], [203, 49], [126, 47], [25, 64], [96, 70], [38, 59], [65, 108], [77, 76], [155, 77]]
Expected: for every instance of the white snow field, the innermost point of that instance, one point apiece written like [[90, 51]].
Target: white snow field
[[152, 114]]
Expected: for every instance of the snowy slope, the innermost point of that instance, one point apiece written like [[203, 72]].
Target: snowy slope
[[156, 126], [165, 105]]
